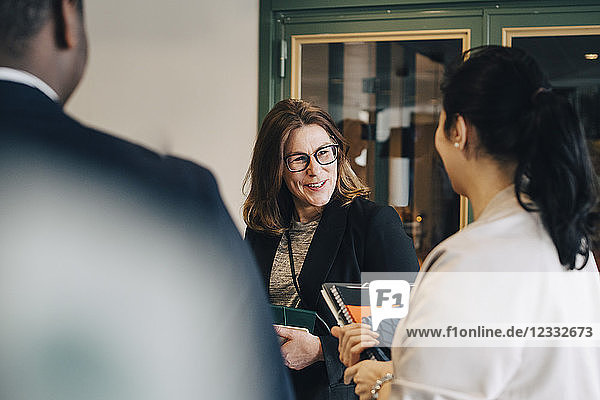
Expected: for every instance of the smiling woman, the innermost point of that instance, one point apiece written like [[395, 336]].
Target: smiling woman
[[310, 179], [310, 222]]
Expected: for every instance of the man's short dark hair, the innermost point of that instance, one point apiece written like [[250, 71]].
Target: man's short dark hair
[[20, 20]]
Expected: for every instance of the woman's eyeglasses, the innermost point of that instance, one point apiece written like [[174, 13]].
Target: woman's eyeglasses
[[325, 155]]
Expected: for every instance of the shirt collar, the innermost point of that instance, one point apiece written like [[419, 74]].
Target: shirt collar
[[15, 75], [504, 199]]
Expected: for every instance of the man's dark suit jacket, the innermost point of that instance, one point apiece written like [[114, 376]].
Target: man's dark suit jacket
[[121, 273], [359, 237]]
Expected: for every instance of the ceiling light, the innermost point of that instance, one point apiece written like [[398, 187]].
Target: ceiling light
[[591, 56]]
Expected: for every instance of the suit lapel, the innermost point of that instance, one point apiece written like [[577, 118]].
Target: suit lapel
[[267, 264], [264, 247], [322, 252]]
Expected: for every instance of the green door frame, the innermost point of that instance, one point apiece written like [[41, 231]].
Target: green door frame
[[279, 17]]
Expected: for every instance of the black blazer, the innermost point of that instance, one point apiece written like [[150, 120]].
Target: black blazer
[[76, 202], [359, 237]]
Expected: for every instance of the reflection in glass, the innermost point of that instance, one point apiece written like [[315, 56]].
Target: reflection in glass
[[385, 98], [574, 71]]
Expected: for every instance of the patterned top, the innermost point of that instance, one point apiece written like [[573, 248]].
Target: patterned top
[[282, 291]]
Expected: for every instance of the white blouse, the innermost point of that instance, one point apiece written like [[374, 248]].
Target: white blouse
[[505, 240]]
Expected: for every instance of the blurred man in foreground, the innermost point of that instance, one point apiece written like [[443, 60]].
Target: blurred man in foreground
[[121, 274]]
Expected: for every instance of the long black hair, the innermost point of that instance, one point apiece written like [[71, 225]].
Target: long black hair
[[503, 92]]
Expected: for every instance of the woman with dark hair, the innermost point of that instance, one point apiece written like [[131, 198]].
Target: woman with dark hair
[[309, 222], [515, 148]]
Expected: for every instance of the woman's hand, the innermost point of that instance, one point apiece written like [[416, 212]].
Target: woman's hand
[[353, 340], [365, 373], [299, 349]]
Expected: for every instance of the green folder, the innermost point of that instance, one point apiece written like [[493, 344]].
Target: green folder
[[296, 317]]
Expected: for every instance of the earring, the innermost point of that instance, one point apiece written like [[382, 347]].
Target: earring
[[456, 144]]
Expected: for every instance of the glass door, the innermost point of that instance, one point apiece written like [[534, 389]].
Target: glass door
[[567, 45], [571, 57], [383, 90]]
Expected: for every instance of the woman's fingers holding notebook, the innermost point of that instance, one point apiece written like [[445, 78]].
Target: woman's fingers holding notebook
[[299, 348], [352, 332], [284, 331], [353, 340]]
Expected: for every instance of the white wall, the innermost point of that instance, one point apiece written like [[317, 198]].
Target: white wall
[[180, 77]]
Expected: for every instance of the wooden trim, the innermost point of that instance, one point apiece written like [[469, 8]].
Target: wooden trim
[[298, 40], [464, 212], [509, 33]]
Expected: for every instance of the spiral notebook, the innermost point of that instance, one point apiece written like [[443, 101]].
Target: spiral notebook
[[349, 303], [345, 301]]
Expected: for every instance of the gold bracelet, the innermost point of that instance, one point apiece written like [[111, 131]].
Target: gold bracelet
[[378, 384]]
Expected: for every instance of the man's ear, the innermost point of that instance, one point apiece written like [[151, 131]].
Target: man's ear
[[66, 23]]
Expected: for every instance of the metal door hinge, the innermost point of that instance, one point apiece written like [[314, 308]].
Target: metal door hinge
[[282, 58]]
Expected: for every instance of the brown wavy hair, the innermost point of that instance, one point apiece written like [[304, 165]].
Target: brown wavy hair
[[269, 202]]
